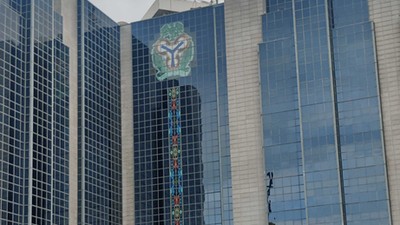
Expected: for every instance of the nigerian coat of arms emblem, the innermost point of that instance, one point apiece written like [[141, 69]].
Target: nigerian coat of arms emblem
[[172, 52]]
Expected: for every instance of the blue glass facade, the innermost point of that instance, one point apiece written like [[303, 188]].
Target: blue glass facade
[[358, 105], [34, 152], [321, 116], [323, 144], [13, 120], [61, 135], [192, 186], [100, 181]]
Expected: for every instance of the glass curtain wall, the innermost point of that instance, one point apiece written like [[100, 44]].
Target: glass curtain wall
[[99, 118], [181, 139], [321, 114]]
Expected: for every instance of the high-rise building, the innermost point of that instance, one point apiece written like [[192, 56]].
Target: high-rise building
[[321, 116], [180, 119], [248, 112], [99, 122], [34, 114]]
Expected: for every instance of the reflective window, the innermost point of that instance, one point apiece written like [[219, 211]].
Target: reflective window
[[99, 116], [181, 138], [320, 109], [34, 92]]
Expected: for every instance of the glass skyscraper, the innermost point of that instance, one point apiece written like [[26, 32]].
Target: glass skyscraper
[[322, 123], [34, 114], [99, 123], [279, 112], [181, 137]]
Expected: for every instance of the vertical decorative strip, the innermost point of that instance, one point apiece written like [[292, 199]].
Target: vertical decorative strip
[[175, 168]]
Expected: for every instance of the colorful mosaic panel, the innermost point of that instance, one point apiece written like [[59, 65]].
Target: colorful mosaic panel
[[175, 148], [172, 52]]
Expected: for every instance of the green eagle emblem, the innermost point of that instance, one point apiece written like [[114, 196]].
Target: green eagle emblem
[[172, 52]]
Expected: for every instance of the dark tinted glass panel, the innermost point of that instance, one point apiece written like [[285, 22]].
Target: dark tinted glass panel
[[100, 187], [181, 140]]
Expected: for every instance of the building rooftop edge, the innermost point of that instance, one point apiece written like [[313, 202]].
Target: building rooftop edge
[[163, 7]]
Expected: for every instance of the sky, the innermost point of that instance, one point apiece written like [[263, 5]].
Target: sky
[[123, 10], [126, 10]]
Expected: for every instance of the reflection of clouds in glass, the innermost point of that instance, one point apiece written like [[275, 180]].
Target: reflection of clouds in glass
[[213, 213], [9, 19], [211, 162]]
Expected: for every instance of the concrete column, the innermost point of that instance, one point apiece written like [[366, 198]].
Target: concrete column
[[386, 16], [128, 194], [243, 34], [69, 11]]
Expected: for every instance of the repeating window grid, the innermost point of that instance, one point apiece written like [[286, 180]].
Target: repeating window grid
[[283, 157], [11, 119], [43, 116], [10, 26], [148, 96], [60, 135], [148, 160], [359, 117], [366, 109], [42, 134], [102, 118], [15, 99], [319, 146], [281, 118]]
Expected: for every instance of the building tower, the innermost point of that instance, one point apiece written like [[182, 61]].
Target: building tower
[[34, 114], [248, 112]]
